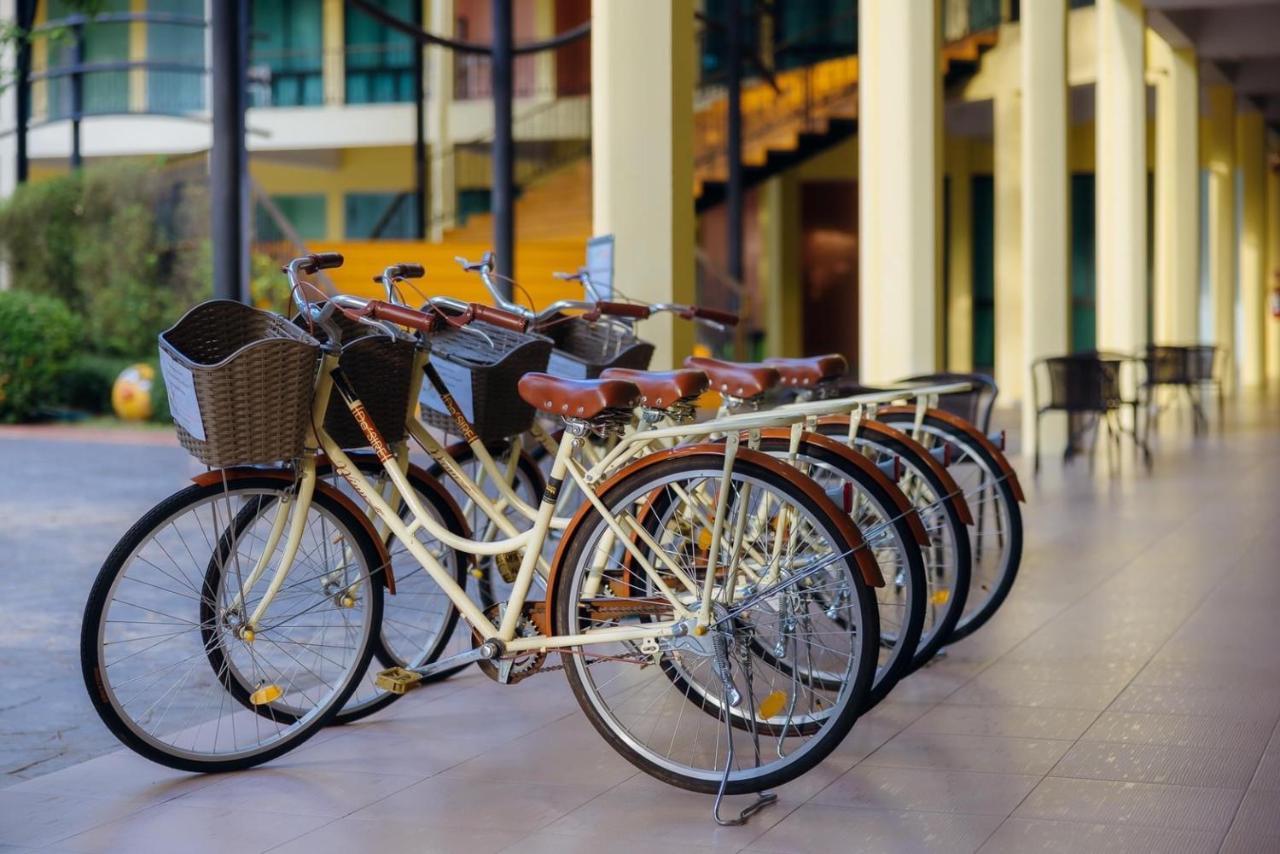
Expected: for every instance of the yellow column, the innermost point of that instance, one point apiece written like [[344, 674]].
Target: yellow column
[[1251, 153], [897, 197], [1273, 268], [1045, 289], [1177, 193], [137, 52], [780, 271], [642, 77], [1009, 350], [1219, 145], [544, 73], [960, 255], [1121, 195], [333, 67], [442, 189]]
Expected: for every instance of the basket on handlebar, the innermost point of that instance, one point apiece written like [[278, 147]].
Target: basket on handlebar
[[584, 349], [379, 369], [481, 373], [240, 383]]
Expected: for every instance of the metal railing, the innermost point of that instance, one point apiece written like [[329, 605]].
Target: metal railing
[[370, 74]]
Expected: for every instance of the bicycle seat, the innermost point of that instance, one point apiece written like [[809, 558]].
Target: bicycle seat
[[742, 380], [660, 389], [810, 370], [584, 399]]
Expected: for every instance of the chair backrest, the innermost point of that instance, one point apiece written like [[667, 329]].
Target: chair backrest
[[1202, 363], [1167, 365], [1083, 382], [974, 405]]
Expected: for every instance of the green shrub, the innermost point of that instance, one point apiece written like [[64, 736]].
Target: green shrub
[[159, 397], [85, 384], [40, 335]]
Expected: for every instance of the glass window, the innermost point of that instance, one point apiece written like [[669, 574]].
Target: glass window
[[175, 91], [306, 215], [379, 60], [104, 91], [389, 216], [810, 31], [287, 51]]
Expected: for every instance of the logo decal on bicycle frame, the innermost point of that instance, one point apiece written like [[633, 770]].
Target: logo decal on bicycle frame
[[552, 489], [459, 418]]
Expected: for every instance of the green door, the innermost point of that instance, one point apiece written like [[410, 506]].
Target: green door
[[1084, 312], [983, 193]]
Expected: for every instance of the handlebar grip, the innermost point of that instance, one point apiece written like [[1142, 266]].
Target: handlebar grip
[[623, 309], [715, 315], [403, 315], [412, 271], [324, 261], [498, 317]]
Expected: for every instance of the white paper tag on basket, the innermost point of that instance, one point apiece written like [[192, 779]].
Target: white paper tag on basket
[[181, 388], [560, 365], [457, 378]]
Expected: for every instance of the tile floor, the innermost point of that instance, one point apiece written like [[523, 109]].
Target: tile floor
[[1125, 699]]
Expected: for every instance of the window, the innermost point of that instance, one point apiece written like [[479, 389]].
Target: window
[[380, 62], [809, 31], [391, 215], [175, 91], [104, 91], [287, 49], [984, 273], [1084, 314], [305, 213]]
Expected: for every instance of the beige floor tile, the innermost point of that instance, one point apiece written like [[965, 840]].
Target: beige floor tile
[[927, 789], [1267, 777], [1012, 721], [171, 827], [970, 753], [349, 835], [1257, 703], [40, 818], [1007, 691], [826, 828], [1181, 730], [1257, 824], [546, 842], [1144, 804], [1158, 763], [524, 805], [1017, 836], [302, 790]]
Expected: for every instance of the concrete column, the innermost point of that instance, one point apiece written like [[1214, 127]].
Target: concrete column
[[1010, 351], [1251, 153], [1121, 194], [137, 51], [897, 197], [1220, 153], [1046, 289], [333, 65], [1273, 271], [642, 78], [441, 181], [960, 255], [8, 120], [780, 273], [544, 19], [1177, 194]]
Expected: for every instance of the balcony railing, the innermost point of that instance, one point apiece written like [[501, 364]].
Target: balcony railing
[[371, 74]]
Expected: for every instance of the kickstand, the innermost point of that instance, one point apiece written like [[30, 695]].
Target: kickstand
[[763, 799]]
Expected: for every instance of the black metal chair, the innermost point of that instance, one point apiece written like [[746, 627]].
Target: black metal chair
[[1087, 387], [1183, 367]]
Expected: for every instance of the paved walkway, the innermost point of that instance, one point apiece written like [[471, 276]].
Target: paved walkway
[[1125, 699]]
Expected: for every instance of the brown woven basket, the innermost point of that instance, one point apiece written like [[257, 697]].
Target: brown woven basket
[[583, 349], [379, 369], [251, 375]]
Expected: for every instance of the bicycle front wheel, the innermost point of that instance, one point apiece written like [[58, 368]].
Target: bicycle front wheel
[[168, 659], [787, 580]]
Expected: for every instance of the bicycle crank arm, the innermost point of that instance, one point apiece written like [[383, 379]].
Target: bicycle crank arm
[[398, 680]]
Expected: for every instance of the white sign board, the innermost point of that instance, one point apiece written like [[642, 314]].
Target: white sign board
[[180, 386], [600, 266]]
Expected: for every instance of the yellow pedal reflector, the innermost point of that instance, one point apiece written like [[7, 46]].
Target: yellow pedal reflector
[[266, 694], [348, 601], [397, 680], [704, 538], [772, 704], [941, 597], [247, 635]]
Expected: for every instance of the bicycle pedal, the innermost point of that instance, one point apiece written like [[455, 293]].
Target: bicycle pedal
[[397, 680]]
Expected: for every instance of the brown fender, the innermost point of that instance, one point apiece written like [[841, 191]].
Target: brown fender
[[965, 427], [954, 495], [215, 476], [902, 504], [867, 565]]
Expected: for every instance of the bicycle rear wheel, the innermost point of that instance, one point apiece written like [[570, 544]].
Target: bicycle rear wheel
[[165, 656], [819, 610]]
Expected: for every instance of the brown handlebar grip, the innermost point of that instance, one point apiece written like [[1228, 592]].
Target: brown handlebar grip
[[498, 317], [715, 315], [412, 271], [623, 309], [403, 315]]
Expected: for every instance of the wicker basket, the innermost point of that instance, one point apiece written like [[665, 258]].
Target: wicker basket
[[583, 349], [240, 383], [482, 378], [379, 370]]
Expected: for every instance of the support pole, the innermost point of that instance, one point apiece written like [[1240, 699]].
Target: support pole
[[77, 93], [26, 15], [419, 142], [1177, 198], [229, 163], [1220, 150], [502, 181], [1251, 158], [733, 144]]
